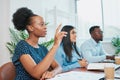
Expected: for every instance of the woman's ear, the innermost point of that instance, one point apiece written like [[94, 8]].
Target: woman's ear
[[30, 28]]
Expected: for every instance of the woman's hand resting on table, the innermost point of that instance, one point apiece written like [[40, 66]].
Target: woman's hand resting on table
[[83, 63], [47, 75]]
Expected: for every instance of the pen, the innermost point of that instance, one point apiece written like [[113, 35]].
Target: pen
[[102, 78], [80, 59]]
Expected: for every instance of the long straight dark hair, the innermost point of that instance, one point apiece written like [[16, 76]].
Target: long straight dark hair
[[67, 44]]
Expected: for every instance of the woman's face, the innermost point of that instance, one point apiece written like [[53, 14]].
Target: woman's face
[[73, 35], [38, 26]]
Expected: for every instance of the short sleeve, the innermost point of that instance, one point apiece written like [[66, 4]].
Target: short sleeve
[[21, 48], [44, 49]]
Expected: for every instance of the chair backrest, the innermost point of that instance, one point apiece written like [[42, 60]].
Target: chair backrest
[[7, 71]]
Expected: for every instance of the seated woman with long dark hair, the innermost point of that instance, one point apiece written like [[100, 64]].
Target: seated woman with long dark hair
[[68, 55]]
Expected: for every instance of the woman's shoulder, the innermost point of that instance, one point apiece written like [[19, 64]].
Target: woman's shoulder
[[21, 43], [60, 50]]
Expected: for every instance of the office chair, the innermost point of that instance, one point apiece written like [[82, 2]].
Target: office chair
[[7, 71]]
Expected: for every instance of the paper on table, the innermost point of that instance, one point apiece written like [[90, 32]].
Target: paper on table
[[100, 66], [95, 66], [107, 61], [77, 75]]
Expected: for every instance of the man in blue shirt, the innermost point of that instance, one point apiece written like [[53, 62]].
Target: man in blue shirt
[[92, 49]]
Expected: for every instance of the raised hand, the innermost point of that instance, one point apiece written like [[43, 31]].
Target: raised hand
[[59, 36]]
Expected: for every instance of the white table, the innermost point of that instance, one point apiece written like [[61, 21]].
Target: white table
[[80, 74]]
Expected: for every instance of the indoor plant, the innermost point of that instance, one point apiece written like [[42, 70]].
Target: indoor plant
[[116, 43], [16, 36]]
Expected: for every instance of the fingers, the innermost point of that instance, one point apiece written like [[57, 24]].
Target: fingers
[[58, 28], [59, 36], [83, 63], [84, 60], [63, 34], [47, 75]]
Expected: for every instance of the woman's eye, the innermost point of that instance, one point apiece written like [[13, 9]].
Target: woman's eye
[[73, 32], [41, 24]]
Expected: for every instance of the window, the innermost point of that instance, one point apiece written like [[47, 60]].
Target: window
[[105, 13]]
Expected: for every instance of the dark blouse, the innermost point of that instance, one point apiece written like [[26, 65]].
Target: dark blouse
[[24, 48]]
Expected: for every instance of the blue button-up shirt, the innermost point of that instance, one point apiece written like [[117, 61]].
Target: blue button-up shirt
[[62, 59], [92, 51]]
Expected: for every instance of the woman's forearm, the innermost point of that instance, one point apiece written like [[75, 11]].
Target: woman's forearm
[[46, 62]]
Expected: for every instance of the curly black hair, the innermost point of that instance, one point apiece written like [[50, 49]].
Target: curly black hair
[[21, 18]]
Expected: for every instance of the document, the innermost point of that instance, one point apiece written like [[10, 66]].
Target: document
[[96, 66], [87, 75], [107, 61], [77, 75], [100, 66]]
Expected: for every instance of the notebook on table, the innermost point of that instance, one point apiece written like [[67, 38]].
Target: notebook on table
[[100, 66], [107, 61]]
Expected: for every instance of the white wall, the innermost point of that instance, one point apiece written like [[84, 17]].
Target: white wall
[[109, 48], [42, 8], [4, 33]]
